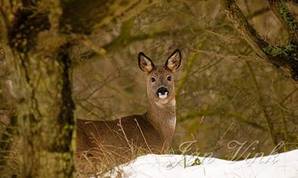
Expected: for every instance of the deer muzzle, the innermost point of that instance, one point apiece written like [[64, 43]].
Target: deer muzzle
[[162, 93]]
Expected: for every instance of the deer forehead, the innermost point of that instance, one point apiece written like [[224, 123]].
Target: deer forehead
[[160, 71]]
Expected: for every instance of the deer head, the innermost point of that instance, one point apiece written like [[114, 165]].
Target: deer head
[[160, 79]]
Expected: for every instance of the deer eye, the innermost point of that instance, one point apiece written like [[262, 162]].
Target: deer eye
[[169, 78], [152, 79]]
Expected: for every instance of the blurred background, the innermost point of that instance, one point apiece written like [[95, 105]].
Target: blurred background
[[227, 95], [224, 91]]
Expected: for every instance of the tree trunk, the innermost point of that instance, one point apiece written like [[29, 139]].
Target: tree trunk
[[40, 34], [45, 113], [41, 80]]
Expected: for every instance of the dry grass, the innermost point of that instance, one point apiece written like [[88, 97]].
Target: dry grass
[[88, 165], [102, 158]]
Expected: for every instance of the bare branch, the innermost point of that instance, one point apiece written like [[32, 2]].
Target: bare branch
[[284, 57], [236, 16], [281, 11], [262, 104], [92, 15], [258, 12]]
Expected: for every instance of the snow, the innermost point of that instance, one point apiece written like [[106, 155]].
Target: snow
[[284, 165]]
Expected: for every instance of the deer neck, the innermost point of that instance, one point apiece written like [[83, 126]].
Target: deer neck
[[163, 118]]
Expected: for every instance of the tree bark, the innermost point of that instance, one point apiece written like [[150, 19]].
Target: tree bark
[[44, 108], [40, 34]]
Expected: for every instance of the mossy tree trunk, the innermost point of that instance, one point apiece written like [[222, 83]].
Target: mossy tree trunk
[[42, 83], [39, 35], [45, 114]]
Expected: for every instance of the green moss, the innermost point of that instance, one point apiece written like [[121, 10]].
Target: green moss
[[286, 15], [278, 51], [67, 129]]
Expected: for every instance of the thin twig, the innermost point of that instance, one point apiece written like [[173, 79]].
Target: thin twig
[[261, 103], [143, 135], [258, 12]]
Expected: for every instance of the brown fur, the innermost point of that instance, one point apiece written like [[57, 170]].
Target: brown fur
[[118, 136], [150, 132]]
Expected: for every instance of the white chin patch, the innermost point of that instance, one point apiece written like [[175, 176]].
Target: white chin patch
[[163, 96]]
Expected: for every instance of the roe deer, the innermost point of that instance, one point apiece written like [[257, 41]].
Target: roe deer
[[152, 130]]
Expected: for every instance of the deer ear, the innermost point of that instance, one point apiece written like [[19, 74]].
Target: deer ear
[[174, 61], [145, 63]]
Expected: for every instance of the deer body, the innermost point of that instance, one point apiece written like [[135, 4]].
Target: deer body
[[152, 131]]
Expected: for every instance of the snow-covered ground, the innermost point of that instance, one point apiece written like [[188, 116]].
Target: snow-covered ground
[[284, 165]]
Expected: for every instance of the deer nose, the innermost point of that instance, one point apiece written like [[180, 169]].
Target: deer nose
[[162, 92]]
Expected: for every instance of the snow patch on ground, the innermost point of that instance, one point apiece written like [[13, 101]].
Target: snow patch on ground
[[284, 165]]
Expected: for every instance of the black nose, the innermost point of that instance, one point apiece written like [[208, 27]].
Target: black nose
[[162, 90]]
